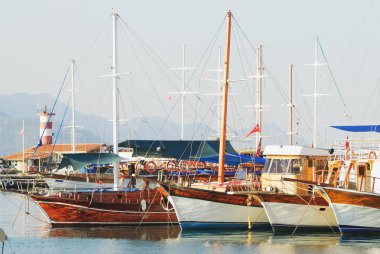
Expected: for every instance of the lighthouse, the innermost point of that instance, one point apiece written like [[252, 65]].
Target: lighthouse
[[46, 126]]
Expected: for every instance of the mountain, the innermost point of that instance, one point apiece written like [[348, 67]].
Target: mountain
[[97, 129]]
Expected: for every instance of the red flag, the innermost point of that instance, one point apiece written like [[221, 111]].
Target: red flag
[[347, 145], [258, 150], [312, 145], [255, 129]]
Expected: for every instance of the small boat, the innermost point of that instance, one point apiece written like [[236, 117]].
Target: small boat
[[288, 197], [354, 192], [130, 207]]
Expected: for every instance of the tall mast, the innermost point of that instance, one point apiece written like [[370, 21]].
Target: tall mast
[[219, 86], [316, 64], [290, 104], [315, 95], [259, 90], [115, 105], [223, 123], [183, 92], [73, 145], [218, 80]]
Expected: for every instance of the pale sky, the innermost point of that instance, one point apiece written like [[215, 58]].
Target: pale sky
[[39, 38]]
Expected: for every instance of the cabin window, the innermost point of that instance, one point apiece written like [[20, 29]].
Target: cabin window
[[282, 166], [295, 166]]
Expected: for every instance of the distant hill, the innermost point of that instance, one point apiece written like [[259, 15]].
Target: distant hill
[[12, 112]]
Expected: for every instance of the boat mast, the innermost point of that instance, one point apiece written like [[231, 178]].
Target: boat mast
[[259, 90], [183, 92], [290, 104], [316, 64], [223, 123], [115, 108], [73, 146]]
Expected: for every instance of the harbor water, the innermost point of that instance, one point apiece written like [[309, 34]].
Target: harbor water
[[29, 232]]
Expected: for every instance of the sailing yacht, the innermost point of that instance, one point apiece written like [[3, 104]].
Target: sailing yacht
[[354, 195], [211, 205], [287, 196], [120, 206]]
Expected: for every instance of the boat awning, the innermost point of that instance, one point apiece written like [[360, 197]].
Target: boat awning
[[178, 149], [80, 160], [358, 128], [234, 159]]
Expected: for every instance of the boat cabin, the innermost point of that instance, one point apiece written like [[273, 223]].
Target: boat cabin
[[361, 174], [292, 162]]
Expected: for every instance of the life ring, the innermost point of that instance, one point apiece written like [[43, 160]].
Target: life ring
[[200, 164], [170, 165], [152, 169], [183, 165], [372, 155], [11, 183]]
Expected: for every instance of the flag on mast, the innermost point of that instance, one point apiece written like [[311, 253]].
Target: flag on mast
[[258, 150], [255, 129]]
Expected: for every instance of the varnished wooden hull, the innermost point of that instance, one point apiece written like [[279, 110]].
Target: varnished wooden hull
[[357, 213], [106, 209], [205, 209], [298, 213]]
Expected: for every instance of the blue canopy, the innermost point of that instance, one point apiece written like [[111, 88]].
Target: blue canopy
[[234, 159], [359, 128]]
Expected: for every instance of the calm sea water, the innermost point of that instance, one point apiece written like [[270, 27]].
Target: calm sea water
[[31, 234]]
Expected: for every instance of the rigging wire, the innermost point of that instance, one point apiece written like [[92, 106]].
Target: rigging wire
[[50, 114], [355, 36], [59, 131], [332, 75], [94, 42], [147, 77]]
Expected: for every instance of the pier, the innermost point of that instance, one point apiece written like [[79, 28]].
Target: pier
[[31, 183]]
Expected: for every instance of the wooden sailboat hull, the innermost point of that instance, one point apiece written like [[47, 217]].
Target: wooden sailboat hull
[[298, 213], [106, 209], [357, 213], [205, 209]]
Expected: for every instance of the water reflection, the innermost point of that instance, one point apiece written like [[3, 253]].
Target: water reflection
[[153, 233], [20, 226]]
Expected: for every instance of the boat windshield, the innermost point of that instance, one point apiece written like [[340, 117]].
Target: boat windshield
[[282, 166]]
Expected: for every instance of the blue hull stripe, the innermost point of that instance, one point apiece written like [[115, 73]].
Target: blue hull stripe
[[284, 228], [349, 230], [221, 225]]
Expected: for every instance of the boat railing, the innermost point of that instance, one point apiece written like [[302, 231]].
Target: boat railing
[[356, 149]]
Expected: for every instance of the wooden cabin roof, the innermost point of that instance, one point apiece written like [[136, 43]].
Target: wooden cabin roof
[[45, 150]]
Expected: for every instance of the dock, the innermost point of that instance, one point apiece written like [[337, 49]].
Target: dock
[[30, 183]]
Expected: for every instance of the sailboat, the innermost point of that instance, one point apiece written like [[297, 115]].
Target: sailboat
[[354, 195], [120, 206], [211, 206], [290, 203]]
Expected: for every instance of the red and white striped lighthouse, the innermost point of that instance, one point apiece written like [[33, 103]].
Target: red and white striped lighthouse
[[46, 127]]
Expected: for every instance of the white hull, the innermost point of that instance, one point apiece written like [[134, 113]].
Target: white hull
[[197, 213], [285, 217], [355, 219], [62, 184]]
